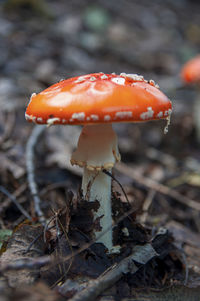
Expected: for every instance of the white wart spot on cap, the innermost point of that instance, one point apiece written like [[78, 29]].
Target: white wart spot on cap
[[104, 76], [51, 121], [33, 95], [39, 119], [148, 114], [28, 117], [124, 114], [78, 116], [168, 112], [160, 114], [134, 77], [94, 117], [92, 78], [80, 79], [107, 117], [152, 83], [118, 80]]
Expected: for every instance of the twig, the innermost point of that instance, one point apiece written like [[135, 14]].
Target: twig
[[164, 158], [26, 263], [121, 167], [9, 124], [140, 254], [146, 205], [15, 194], [184, 259], [14, 200], [32, 141], [120, 185]]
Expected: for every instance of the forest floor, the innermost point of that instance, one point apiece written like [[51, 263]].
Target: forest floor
[[43, 42]]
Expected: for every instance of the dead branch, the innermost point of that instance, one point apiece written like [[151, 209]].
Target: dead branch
[[16, 194], [147, 182], [9, 124], [140, 254], [163, 158], [32, 141], [146, 205], [120, 185], [14, 200]]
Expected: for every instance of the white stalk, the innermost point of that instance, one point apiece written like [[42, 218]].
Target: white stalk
[[99, 185], [97, 149]]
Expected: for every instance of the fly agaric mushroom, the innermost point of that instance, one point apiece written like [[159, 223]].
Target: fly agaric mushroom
[[96, 101], [190, 74], [191, 71]]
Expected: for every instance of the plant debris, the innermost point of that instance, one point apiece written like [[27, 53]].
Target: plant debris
[[16, 249], [60, 259]]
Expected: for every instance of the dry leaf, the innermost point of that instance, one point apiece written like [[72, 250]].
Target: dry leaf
[[17, 244]]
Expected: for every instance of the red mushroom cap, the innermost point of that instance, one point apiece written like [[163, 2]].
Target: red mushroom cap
[[191, 71], [99, 98]]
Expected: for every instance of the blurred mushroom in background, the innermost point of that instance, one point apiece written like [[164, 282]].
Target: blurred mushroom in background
[[190, 74]]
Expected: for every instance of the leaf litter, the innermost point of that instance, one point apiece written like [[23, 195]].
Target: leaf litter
[[63, 254]]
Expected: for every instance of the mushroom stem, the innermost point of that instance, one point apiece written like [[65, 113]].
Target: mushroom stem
[[97, 185], [97, 150]]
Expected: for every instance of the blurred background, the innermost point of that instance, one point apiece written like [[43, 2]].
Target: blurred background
[[44, 41]]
